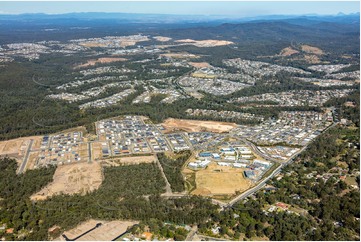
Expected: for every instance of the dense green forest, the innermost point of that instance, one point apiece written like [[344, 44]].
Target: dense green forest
[[127, 192], [347, 112], [172, 169]]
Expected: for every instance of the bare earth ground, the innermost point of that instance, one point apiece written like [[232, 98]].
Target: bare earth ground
[[131, 160], [179, 55], [100, 60], [72, 179], [205, 43], [171, 124], [15, 146], [162, 38], [124, 42], [33, 156], [311, 50], [288, 51], [96, 148], [108, 231], [313, 59], [227, 180], [199, 64]]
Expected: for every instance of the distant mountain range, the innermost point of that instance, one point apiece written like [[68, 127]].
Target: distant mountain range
[[169, 18], [330, 32]]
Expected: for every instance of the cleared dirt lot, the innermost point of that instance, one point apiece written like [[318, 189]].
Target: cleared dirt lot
[[216, 180], [162, 38], [312, 50], [96, 148], [100, 60], [182, 55], [71, 179], [131, 160], [288, 51], [16, 147], [312, 59], [33, 157], [108, 231], [205, 43], [199, 64], [172, 124]]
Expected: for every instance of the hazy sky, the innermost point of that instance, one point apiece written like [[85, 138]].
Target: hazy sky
[[240, 9]]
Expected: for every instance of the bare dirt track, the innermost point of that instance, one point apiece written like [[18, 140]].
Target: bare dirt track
[[72, 179], [172, 124], [216, 180], [108, 230]]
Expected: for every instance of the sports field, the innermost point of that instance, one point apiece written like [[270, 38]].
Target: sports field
[[218, 180]]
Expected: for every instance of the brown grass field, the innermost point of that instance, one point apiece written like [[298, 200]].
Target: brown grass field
[[161, 38], [312, 59], [72, 179], [172, 124], [108, 231], [101, 61], [199, 64], [217, 180], [311, 50], [83, 151], [288, 51]]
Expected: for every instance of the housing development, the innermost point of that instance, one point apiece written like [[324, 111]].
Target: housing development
[[163, 128]]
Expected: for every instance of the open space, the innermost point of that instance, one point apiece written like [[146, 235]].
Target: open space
[[72, 179], [205, 43], [217, 180], [16, 147], [100, 61], [172, 124], [288, 51], [312, 50], [131, 160], [107, 231]]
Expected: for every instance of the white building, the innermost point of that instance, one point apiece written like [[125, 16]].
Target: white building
[[237, 165], [264, 164]]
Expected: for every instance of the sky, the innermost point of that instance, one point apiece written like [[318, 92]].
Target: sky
[[224, 8]]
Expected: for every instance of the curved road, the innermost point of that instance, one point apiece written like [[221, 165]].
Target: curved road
[[274, 173]]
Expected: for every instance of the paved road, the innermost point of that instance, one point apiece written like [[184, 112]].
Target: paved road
[[191, 233], [274, 173], [26, 157], [89, 152]]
